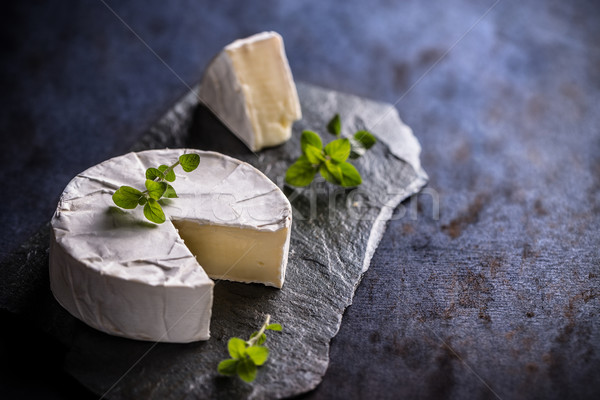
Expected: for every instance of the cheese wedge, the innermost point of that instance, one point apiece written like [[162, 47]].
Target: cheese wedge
[[249, 86], [123, 275]]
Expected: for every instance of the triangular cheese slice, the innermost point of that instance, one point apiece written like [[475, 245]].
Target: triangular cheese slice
[[249, 86]]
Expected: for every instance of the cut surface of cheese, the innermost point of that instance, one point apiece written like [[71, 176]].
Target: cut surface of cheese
[[220, 249], [250, 87], [123, 275]]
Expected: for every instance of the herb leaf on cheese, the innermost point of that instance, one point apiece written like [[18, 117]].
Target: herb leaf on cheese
[[170, 175], [153, 173], [170, 193], [247, 355], [330, 161], [127, 197], [157, 188], [154, 212], [189, 162]]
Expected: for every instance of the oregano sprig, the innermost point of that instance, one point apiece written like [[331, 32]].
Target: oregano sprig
[[247, 355], [156, 188], [330, 161]]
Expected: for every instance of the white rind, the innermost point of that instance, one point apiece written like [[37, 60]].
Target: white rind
[[222, 93], [128, 277]]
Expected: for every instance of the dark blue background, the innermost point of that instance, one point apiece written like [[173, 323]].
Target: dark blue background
[[497, 296]]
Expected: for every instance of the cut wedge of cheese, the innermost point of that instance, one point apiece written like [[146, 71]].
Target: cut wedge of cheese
[[249, 86], [123, 275]]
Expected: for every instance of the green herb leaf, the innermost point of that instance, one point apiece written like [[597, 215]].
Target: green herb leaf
[[153, 211], [338, 150], [246, 370], [170, 177], [153, 173], [335, 125], [335, 170], [155, 189], [127, 197], [300, 173], [274, 327], [170, 192], [314, 155], [350, 176], [189, 162], [310, 138], [227, 367], [327, 175], [247, 355], [365, 138], [236, 347], [261, 340], [258, 354]]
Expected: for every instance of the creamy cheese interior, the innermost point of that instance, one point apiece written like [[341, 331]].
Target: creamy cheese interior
[[237, 254], [271, 99]]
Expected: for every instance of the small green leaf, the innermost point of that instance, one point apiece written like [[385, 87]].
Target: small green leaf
[[155, 189], [335, 170], [274, 327], [170, 177], [338, 150], [258, 354], [236, 347], [153, 211], [227, 367], [153, 173], [365, 138], [127, 197], [335, 125], [350, 176], [189, 162], [246, 370], [261, 340], [300, 173], [170, 192], [142, 200], [327, 175], [313, 154], [310, 138]]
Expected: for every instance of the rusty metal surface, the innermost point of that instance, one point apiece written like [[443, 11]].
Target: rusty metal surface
[[498, 297]]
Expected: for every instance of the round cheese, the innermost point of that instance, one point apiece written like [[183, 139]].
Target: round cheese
[[126, 276]]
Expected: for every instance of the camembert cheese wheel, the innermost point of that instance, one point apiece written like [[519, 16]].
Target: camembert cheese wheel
[[126, 276]]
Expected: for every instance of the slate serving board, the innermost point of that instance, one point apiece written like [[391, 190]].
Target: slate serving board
[[334, 235]]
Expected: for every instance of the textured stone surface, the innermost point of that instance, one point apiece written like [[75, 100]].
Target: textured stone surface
[[335, 233]]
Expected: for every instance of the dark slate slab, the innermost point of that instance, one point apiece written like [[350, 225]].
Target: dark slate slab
[[335, 233]]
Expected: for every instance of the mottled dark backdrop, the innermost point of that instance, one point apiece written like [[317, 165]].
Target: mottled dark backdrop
[[498, 297]]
